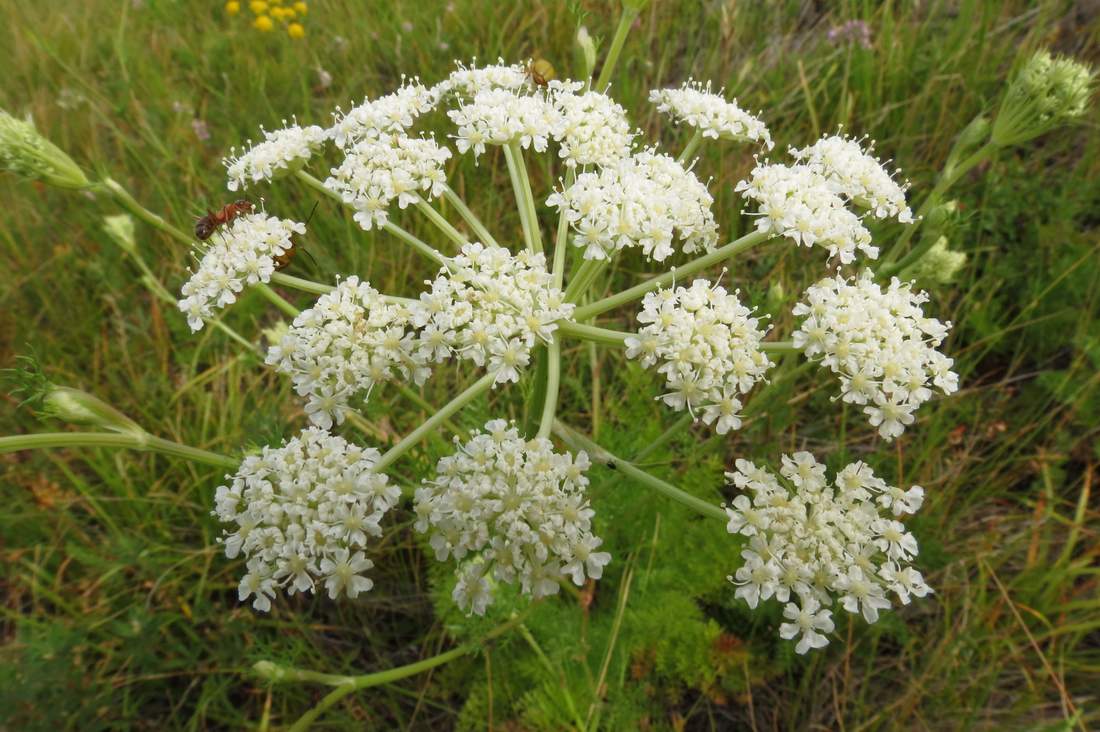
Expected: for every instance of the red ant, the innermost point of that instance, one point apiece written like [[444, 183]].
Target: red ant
[[208, 224], [283, 260]]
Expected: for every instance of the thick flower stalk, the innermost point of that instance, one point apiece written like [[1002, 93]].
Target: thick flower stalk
[[302, 515], [707, 346], [812, 544], [510, 510], [880, 344]]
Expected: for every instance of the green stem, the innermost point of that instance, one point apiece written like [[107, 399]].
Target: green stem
[[664, 437], [580, 442], [553, 383], [348, 684], [276, 299], [441, 223], [298, 283], [582, 279], [143, 441], [423, 404], [561, 242], [470, 217], [593, 333], [480, 386], [123, 197], [691, 147], [318, 186], [890, 264], [425, 249], [621, 32], [521, 188], [778, 346], [608, 303]]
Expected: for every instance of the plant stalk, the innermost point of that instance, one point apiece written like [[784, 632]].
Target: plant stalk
[[553, 383], [142, 442], [691, 147], [470, 217], [621, 32], [525, 201]]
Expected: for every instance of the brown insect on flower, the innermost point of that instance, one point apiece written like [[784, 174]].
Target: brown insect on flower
[[540, 71], [208, 224], [282, 261]]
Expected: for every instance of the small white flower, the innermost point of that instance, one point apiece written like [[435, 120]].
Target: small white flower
[[302, 514], [241, 254], [515, 505], [810, 621], [390, 114], [880, 344], [707, 345], [858, 175], [283, 150], [695, 105]]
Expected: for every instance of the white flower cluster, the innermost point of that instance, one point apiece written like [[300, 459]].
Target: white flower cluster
[[469, 80], [879, 343], [517, 509], [708, 347], [391, 113], [819, 542], [644, 200], [857, 174], [798, 201], [694, 104], [349, 341], [285, 149], [498, 116], [242, 253], [383, 168], [303, 513], [594, 129], [490, 306]]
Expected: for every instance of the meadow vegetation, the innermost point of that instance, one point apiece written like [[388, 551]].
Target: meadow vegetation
[[120, 610]]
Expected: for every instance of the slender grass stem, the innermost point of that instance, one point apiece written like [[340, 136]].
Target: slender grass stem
[[441, 223], [691, 147], [349, 684], [593, 333], [276, 299], [525, 200], [141, 441], [479, 387], [553, 383], [580, 442], [737, 246], [123, 197], [621, 32], [469, 217]]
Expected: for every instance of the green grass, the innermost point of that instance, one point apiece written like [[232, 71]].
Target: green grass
[[120, 612]]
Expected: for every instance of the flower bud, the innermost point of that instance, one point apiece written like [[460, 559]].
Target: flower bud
[[121, 230], [79, 407], [1047, 92], [585, 53], [269, 671], [938, 217], [939, 264], [24, 151]]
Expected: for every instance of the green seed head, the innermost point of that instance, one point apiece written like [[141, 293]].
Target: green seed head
[[121, 230], [1046, 93], [939, 264], [79, 407], [27, 153]]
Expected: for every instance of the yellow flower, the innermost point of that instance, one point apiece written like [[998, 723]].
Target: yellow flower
[[263, 23], [232, 7], [289, 13], [277, 13], [295, 30], [301, 8], [258, 7]]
